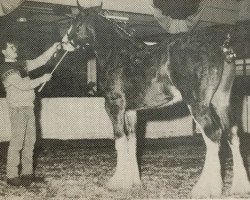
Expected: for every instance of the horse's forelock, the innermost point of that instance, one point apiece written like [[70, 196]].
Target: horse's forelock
[[77, 22], [80, 8], [81, 30]]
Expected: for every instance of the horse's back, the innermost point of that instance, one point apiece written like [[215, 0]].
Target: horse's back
[[197, 62]]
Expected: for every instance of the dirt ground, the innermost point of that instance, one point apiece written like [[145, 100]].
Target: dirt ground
[[79, 169]]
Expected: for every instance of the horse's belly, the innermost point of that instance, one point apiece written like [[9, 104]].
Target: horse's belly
[[156, 95]]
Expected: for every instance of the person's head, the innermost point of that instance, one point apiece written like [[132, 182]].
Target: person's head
[[9, 49]]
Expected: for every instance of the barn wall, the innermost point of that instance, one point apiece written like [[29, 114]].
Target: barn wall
[[226, 8], [244, 8], [221, 11], [136, 6], [216, 11], [81, 118]]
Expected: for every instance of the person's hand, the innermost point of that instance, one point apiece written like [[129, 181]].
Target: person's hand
[[68, 47], [57, 46], [46, 77]]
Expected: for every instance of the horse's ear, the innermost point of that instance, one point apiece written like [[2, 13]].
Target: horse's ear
[[80, 8], [97, 9]]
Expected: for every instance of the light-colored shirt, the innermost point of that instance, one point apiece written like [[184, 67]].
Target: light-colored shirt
[[14, 75], [19, 90]]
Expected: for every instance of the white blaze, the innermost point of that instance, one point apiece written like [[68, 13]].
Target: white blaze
[[65, 41]]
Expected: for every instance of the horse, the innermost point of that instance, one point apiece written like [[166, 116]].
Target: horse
[[196, 68]]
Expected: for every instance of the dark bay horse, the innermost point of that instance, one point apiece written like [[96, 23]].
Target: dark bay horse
[[196, 68]]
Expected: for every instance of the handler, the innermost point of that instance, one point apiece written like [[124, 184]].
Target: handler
[[20, 97]]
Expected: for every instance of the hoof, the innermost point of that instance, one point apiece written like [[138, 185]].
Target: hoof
[[201, 193], [116, 183], [137, 182], [126, 182], [240, 188], [207, 189]]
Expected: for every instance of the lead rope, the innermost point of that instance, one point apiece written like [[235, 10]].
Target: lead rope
[[58, 63], [228, 50], [123, 30], [116, 25]]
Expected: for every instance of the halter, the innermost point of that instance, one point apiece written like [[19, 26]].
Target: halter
[[127, 35], [69, 35], [116, 25], [228, 50], [82, 19]]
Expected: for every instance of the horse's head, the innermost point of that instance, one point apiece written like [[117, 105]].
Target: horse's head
[[81, 31]]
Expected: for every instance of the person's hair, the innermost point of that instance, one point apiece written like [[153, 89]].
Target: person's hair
[[3, 45], [7, 39]]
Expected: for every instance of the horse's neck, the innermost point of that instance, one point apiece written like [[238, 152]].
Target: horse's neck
[[105, 42], [102, 51], [103, 57]]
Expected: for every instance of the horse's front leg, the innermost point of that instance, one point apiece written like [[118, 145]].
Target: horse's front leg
[[121, 178], [130, 124]]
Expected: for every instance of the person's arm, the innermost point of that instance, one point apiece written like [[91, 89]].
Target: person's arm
[[25, 84], [42, 59]]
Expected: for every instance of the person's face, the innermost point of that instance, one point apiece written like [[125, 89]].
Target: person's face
[[10, 52]]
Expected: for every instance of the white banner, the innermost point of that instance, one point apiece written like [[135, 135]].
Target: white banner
[[174, 26], [7, 6]]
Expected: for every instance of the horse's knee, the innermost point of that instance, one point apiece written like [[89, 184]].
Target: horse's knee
[[222, 111], [212, 127], [130, 121], [221, 103], [213, 132], [115, 107], [233, 137], [208, 123], [225, 119]]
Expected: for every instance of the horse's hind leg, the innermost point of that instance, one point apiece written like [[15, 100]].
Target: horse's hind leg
[[221, 105], [240, 183], [210, 182]]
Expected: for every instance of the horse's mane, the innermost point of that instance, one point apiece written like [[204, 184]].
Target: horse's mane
[[109, 26], [113, 37]]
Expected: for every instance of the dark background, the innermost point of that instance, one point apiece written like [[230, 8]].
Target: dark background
[[70, 79]]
